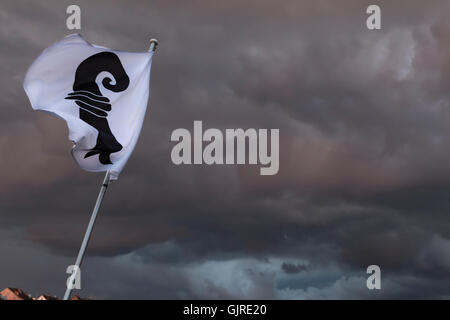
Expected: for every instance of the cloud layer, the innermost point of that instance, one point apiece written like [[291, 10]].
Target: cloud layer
[[364, 146]]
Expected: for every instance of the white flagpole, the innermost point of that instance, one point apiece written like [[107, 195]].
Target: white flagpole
[[87, 235], [153, 45]]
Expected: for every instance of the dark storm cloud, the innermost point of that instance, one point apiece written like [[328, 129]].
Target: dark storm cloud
[[292, 268], [364, 149]]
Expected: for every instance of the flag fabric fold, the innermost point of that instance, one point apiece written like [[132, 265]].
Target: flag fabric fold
[[102, 94]]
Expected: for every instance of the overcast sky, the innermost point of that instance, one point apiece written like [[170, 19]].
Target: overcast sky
[[364, 119]]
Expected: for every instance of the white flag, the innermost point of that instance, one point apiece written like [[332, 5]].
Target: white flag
[[101, 93]]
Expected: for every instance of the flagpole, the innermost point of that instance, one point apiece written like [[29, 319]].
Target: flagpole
[[87, 235], [153, 45]]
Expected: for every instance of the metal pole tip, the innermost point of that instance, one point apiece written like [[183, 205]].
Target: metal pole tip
[[153, 44]]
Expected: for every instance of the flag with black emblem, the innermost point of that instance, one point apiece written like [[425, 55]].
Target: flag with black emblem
[[101, 93]]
